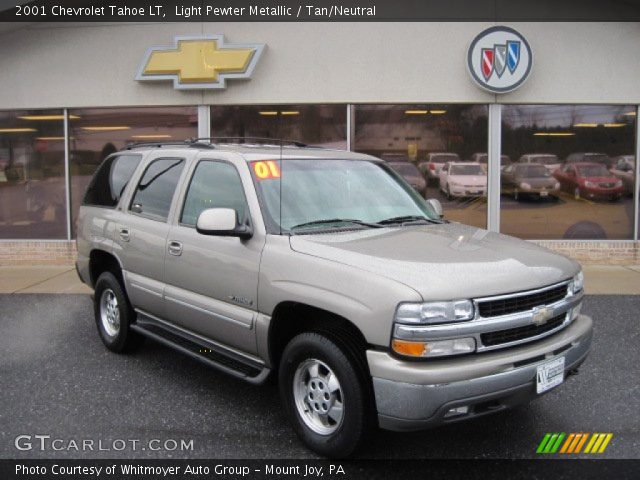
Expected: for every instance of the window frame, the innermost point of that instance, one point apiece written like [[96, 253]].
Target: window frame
[[194, 169], [124, 191], [148, 216]]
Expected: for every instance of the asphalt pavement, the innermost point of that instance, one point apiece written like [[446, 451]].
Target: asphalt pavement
[[57, 379]]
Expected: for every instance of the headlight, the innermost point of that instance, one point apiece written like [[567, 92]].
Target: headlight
[[577, 283], [589, 184], [525, 186], [556, 186], [434, 312], [619, 183]]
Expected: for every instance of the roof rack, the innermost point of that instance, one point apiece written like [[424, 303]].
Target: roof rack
[[253, 140], [210, 142], [187, 143]]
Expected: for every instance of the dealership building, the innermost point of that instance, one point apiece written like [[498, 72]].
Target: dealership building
[[564, 95]]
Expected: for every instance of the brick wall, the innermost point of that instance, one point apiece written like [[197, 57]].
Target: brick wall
[[37, 253], [593, 253]]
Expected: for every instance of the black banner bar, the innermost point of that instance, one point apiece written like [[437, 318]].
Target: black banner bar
[[319, 10], [316, 469]]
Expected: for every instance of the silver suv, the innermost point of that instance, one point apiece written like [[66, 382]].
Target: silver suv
[[326, 270]]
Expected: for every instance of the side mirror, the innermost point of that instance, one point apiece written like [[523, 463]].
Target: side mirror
[[222, 222], [437, 206]]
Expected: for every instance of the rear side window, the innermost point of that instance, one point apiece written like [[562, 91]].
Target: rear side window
[[154, 193], [214, 184], [110, 180]]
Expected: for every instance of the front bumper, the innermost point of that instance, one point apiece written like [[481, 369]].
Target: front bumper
[[418, 395]]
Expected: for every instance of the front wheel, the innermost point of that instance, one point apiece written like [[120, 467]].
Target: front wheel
[[326, 395]]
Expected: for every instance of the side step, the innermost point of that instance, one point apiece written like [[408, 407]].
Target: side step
[[209, 353]]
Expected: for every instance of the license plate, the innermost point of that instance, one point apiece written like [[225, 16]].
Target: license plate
[[550, 374], [544, 194]]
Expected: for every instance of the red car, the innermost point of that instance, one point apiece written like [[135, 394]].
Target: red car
[[588, 180]]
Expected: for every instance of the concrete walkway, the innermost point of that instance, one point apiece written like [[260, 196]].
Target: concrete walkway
[[599, 280]]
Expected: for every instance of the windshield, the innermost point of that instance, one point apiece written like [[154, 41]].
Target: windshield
[[546, 160], [407, 169], [533, 171], [444, 157], [319, 189], [596, 157], [471, 169], [593, 171]]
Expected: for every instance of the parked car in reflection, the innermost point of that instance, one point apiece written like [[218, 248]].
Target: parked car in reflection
[[590, 157], [548, 160], [529, 179], [624, 167], [430, 167], [589, 180], [463, 179], [483, 158], [412, 175]]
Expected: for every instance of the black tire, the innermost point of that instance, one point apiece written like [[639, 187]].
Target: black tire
[[355, 394], [123, 339]]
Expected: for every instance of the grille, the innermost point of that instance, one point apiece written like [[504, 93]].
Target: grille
[[607, 185], [520, 333], [504, 306]]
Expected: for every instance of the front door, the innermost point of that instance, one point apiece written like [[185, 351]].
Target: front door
[[212, 281]]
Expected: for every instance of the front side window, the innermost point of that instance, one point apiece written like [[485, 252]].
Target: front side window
[[154, 193], [313, 190], [214, 184], [110, 180]]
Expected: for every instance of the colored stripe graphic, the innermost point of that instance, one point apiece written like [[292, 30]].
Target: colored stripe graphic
[[573, 443]]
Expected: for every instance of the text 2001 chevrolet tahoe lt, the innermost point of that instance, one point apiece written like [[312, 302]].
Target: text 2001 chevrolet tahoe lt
[[326, 269]]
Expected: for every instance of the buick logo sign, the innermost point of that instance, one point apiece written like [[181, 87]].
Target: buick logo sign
[[499, 59]]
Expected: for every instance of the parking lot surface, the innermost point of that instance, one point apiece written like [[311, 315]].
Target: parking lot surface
[[57, 379]]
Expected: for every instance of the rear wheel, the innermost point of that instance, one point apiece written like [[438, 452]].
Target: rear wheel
[[326, 395], [114, 314]]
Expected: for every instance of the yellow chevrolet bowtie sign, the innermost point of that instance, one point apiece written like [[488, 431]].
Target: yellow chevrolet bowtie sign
[[200, 62]]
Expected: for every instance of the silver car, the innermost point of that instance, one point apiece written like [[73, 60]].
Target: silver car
[[325, 270]]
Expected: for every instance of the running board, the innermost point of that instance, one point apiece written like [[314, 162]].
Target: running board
[[209, 353]]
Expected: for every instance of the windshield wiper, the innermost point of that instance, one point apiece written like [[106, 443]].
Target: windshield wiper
[[336, 220], [407, 219]]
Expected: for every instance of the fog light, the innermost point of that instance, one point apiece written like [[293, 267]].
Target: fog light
[[454, 412], [576, 311], [440, 348]]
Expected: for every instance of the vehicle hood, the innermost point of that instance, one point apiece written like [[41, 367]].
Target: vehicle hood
[[600, 179], [444, 261], [470, 180], [537, 182]]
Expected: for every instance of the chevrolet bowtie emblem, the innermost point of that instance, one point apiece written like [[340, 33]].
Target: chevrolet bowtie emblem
[[200, 62], [540, 315]]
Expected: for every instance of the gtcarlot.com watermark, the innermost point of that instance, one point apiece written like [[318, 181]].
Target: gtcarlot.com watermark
[[49, 443]]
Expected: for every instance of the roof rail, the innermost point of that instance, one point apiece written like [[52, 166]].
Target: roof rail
[[185, 143], [253, 140]]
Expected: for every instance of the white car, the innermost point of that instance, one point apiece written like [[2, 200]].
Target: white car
[[430, 167], [463, 179], [550, 161]]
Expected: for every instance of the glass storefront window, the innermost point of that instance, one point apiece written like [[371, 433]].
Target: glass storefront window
[[98, 132], [438, 149], [32, 187], [570, 174], [322, 125]]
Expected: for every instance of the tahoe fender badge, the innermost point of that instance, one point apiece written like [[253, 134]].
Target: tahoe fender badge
[[241, 300]]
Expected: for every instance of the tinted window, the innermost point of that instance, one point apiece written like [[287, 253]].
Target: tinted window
[[472, 169], [214, 185], [110, 180], [155, 190]]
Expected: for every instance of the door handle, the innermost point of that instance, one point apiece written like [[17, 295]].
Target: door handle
[[124, 234], [175, 248]]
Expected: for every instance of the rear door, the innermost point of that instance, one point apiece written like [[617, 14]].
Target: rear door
[[212, 281], [141, 233]]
